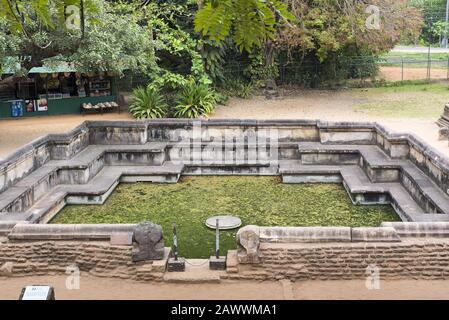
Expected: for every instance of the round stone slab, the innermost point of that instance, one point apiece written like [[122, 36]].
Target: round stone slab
[[224, 222]]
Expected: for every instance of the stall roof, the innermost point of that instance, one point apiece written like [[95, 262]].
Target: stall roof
[[52, 69], [11, 65]]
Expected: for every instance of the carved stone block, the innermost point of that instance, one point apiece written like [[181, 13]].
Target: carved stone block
[[148, 242]]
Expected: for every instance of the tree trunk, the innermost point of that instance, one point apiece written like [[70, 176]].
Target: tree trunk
[[271, 90]]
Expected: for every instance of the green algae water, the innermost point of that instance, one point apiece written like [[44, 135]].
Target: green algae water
[[263, 201]]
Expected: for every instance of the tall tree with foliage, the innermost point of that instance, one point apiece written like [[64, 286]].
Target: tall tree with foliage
[[106, 35], [434, 13], [252, 24], [320, 28], [177, 48]]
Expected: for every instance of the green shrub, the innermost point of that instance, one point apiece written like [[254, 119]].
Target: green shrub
[[195, 100], [221, 98], [239, 88], [147, 103]]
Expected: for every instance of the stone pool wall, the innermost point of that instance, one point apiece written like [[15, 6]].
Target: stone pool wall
[[99, 259], [399, 250], [411, 259], [65, 146], [100, 250], [396, 251]]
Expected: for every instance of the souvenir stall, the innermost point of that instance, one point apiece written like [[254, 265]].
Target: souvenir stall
[[56, 91]]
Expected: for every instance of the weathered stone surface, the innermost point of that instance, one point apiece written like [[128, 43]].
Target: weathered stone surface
[[149, 242], [385, 234], [419, 229], [27, 232], [122, 238], [248, 239], [6, 227], [161, 265], [443, 133], [6, 270], [417, 258], [298, 234]]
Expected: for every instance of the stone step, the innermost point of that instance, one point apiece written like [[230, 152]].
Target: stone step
[[93, 152], [374, 161], [357, 182], [197, 271], [20, 199]]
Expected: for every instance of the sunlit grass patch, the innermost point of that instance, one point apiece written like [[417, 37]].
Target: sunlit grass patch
[[263, 201]]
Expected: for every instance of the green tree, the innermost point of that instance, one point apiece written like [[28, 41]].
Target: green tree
[[107, 36], [318, 29]]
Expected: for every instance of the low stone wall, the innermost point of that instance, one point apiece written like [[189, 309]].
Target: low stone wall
[[396, 250], [55, 257], [35, 154], [409, 259], [43, 232], [119, 251], [421, 252]]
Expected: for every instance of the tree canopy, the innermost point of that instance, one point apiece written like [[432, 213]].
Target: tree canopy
[[174, 40], [101, 36], [319, 26]]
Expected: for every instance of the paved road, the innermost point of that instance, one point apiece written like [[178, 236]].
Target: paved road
[[403, 49]]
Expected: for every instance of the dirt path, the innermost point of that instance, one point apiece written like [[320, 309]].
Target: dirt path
[[18, 132], [92, 288], [414, 112], [344, 106], [395, 73]]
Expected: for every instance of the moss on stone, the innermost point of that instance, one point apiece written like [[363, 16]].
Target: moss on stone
[[263, 201]]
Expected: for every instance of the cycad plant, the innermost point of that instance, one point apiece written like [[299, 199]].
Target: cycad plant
[[147, 103], [195, 100]]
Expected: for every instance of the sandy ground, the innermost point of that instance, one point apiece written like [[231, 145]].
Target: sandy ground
[[18, 132], [308, 104], [395, 73], [92, 288], [330, 106]]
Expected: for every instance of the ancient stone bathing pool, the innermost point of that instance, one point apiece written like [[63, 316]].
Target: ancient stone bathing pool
[[268, 173]]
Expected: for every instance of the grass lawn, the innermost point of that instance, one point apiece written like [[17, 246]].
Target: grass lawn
[[418, 101], [263, 201], [415, 60]]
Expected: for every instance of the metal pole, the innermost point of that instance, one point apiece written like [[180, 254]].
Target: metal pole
[[445, 41], [402, 61], [447, 69], [175, 242], [428, 54], [430, 42], [428, 63], [217, 239]]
